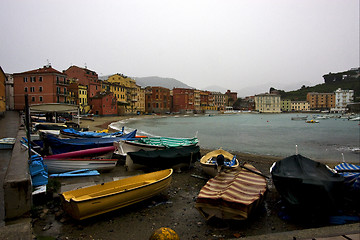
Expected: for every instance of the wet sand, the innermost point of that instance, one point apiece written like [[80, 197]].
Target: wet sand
[[174, 208]]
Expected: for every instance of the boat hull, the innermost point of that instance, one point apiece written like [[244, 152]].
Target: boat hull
[[210, 168], [65, 164], [232, 194], [95, 200], [124, 146]]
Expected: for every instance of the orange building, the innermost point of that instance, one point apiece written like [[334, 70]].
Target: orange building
[[43, 85], [86, 78], [157, 100], [2, 92], [321, 101]]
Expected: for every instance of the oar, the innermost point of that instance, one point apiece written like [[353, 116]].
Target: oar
[[250, 170]]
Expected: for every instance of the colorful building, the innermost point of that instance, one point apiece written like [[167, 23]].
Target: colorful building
[[285, 105], [230, 98], [207, 101], [43, 85], [219, 100], [2, 92], [9, 91], [86, 78], [321, 101], [300, 106], [183, 99], [268, 103], [103, 104], [157, 100]]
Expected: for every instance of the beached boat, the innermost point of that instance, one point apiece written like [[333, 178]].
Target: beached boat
[[218, 160], [72, 133], [302, 182], [152, 143], [95, 200], [59, 145], [61, 165], [232, 194], [91, 152], [165, 158], [76, 173], [351, 173], [7, 143]]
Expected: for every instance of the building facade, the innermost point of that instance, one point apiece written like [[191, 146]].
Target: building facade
[[321, 101], [158, 100], [183, 100], [2, 92], [300, 106], [103, 104], [219, 100], [342, 99], [43, 85], [285, 105], [230, 98], [268, 103], [86, 78]]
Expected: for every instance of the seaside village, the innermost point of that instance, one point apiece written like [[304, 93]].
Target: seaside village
[[66, 181]]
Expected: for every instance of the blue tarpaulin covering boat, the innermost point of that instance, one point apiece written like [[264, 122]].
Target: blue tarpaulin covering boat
[[38, 171], [77, 173], [59, 145], [351, 173], [88, 134]]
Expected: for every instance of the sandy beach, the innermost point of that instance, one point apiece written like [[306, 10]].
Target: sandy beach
[[174, 208]]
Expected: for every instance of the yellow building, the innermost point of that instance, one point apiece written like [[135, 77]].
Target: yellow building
[[300, 106], [2, 92], [285, 105], [140, 100], [268, 103], [83, 100]]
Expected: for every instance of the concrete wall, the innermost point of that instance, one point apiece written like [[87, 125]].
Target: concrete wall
[[17, 182]]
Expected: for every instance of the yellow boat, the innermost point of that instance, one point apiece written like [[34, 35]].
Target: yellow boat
[[98, 199], [211, 166]]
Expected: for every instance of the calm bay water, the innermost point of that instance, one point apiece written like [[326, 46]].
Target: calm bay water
[[265, 134]]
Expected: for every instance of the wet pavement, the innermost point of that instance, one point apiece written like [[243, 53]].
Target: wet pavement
[[9, 126]]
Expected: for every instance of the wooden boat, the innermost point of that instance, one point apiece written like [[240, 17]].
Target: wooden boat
[[165, 158], [302, 182], [83, 153], [72, 133], [232, 194], [61, 165], [210, 165], [94, 200], [150, 144], [59, 145], [77, 173], [7, 143]]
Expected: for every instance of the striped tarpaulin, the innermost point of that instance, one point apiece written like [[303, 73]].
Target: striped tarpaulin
[[232, 194]]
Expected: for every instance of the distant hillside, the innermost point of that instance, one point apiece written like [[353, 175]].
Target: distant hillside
[[300, 94], [154, 81]]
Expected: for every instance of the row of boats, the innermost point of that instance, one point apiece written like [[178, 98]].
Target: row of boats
[[235, 188]]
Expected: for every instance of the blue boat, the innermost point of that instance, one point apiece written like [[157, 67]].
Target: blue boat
[[59, 145], [351, 173], [70, 132], [77, 173]]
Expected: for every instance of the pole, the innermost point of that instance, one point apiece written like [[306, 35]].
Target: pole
[[27, 123]]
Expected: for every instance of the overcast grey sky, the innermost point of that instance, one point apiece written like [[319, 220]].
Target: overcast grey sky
[[234, 44]]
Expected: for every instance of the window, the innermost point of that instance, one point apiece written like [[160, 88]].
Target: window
[[32, 89], [40, 79], [33, 99], [57, 79], [40, 98], [25, 89], [32, 79], [40, 89], [25, 79], [57, 90]]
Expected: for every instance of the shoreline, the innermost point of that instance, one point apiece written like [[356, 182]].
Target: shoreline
[[101, 123]]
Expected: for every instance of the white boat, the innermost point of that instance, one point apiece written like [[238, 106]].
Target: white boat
[[7, 143], [122, 147], [355, 119], [70, 164], [210, 165]]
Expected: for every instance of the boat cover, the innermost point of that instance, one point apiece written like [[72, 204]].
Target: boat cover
[[88, 134], [235, 192], [82, 153], [165, 158], [38, 171], [59, 145], [304, 182], [77, 173], [168, 141], [351, 173]]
